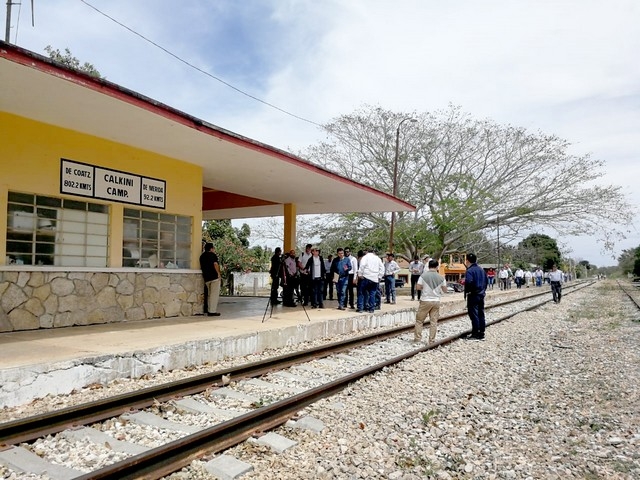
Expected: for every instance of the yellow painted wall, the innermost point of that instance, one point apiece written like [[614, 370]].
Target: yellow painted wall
[[30, 154]]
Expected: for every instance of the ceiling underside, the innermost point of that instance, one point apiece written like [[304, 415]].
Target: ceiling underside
[[257, 175]]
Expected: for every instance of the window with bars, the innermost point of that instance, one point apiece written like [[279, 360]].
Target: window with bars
[[156, 240], [44, 230]]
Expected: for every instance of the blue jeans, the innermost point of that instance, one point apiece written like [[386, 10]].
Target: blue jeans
[[475, 308], [390, 288], [341, 291], [369, 289], [361, 305]]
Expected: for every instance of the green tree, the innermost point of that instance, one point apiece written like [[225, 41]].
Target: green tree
[[539, 249], [465, 176], [627, 260], [70, 61], [232, 247]]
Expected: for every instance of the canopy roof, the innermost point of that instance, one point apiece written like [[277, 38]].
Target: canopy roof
[[242, 178]]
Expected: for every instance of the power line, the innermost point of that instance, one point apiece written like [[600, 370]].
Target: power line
[[199, 69]]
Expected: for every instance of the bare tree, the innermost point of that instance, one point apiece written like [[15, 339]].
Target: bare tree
[[467, 176]]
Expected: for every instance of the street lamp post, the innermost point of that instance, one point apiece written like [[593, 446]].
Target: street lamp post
[[395, 177]]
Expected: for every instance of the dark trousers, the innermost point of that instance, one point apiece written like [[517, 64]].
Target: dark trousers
[[556, 291], [274, 289], [305, 288], [316, 292], [328, 286], [350, 289], [289, 291], [475, 309], [414, 282]]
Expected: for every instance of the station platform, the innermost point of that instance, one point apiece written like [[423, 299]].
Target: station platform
[[37, 363]]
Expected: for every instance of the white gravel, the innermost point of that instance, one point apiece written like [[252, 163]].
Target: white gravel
[[551, 394]]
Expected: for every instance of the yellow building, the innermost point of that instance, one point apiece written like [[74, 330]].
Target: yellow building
[[103, 191]]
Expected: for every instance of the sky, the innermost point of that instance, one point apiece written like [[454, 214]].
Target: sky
[[563, 67]]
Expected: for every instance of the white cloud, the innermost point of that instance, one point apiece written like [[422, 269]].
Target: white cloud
[[568, 68]]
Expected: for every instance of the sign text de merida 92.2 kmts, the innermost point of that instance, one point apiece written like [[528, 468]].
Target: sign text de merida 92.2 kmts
[[97, 182]]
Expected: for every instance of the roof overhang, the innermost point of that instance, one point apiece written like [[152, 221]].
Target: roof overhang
[[242, 178]]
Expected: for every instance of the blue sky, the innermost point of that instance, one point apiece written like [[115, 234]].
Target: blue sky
[[567, 67]]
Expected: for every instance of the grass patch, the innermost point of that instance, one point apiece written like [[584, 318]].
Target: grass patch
[[429, 416]]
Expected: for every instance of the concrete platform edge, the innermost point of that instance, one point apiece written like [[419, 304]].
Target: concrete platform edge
[[21, 385]]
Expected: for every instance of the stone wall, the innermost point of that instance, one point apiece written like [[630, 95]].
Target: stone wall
[[48, 299]]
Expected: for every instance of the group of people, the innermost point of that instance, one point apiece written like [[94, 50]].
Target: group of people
[[506, 277], [309, 279]]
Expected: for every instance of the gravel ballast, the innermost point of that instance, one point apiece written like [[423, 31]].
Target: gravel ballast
[[553, 393]]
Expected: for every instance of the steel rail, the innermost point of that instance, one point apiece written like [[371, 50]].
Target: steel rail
[[631, 297], [31, 428], [166, 459]]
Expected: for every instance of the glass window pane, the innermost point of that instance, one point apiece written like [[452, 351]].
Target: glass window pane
[[74, 205], [48, 201], [73, 227], [19, 247], [21, 197], [96, 240], [96, 262], [149, 215], [98, 207], [44, 259], [98, 218], [96, 251]]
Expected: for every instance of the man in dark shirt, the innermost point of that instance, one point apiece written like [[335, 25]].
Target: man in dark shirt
[[276, 274], [211, 275], [475, 287]]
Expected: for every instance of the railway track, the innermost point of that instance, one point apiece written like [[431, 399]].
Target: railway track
[[312, 374], [634, 297]]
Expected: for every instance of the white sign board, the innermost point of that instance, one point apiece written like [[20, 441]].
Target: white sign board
[[107, 184]]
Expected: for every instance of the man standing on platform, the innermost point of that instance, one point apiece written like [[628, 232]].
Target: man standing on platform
[[352, 272], [475, 288], [369, 271], [415, 268], [211, 275], [276, 274], [390, 269]]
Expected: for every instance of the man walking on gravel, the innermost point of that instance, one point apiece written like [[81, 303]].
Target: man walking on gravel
[[555, 277], [432, 285], [475, 287]]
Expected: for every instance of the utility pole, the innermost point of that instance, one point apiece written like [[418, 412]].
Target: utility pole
[[7, 33]]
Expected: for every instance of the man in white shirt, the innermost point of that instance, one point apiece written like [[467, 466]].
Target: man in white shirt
[[369, 272], [415, 269], [432, 285], [352, 273], [556, 277], [519, 275], [390, 269], [305, 278]]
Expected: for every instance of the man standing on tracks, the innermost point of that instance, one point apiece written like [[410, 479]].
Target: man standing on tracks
[[211, 275], [555, 277], [475, 287], [432, 285]]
